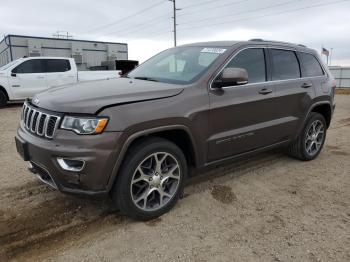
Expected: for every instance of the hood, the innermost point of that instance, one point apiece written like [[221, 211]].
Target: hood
[[90, 97]]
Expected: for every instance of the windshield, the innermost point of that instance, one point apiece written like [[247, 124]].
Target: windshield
[[181, 65], [8, 65]]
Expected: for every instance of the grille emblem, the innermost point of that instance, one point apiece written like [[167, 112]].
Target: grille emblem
[[35, 101]]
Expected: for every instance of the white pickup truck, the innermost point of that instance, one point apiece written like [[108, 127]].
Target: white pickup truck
[[24, 77]]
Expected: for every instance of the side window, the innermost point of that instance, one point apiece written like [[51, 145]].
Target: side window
[[29, 67], [57, 65], [285, 65], [310, 65], [252, 60]]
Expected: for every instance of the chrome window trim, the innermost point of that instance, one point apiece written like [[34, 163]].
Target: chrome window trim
[[267, 81]]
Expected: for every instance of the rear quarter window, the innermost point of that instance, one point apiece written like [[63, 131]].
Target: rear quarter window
[[310, 65]]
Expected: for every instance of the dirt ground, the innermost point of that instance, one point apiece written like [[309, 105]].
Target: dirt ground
[[266, 208]]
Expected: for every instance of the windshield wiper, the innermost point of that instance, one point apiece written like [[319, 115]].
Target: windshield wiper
[[146, 78]]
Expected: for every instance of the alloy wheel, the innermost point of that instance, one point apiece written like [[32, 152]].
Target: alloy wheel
[[314, 138], [155, 181]]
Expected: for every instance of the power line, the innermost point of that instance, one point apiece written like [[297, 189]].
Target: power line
[[266, 15], [214, 7], [199, 4], [138, 27], [128, 16], [240, 13], [144, 24], [166, 30]]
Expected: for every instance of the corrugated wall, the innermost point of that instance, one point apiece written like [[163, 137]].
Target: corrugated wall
[[91, 52], [342, 75]]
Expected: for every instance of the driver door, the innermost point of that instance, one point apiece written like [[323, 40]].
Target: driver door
[[28, 79], [242, 117]]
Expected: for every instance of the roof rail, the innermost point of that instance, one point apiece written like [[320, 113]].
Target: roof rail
[[272, 41]]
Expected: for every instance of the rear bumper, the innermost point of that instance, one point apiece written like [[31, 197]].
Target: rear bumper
[[98, 152]]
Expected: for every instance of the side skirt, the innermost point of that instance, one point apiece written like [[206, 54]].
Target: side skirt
[[252, 152]]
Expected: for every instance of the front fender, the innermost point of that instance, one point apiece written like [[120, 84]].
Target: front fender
[[127, 140]]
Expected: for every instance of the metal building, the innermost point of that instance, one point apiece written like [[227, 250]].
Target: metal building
[[342, 75], [86, 53]]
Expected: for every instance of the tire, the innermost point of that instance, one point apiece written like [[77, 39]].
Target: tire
[[310, 142], [3, 98], [145, 190]]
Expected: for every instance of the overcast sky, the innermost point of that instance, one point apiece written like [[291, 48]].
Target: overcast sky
[[314, 23]]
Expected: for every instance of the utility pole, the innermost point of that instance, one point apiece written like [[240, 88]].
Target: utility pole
[[174, 18]]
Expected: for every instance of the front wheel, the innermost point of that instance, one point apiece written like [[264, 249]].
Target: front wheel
[[310, 142], [151, 179], [3, 98]]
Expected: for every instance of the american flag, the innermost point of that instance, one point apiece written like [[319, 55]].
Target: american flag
[[325, 51]]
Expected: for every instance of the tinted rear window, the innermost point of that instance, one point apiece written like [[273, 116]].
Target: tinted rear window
[[252, 60], [285, 65], [57, 65], [310, 65]]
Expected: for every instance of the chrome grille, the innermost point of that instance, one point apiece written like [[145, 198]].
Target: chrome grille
[[38, 122]]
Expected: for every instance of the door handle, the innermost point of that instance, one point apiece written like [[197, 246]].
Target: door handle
[[306, 85], [265, 91], [40, 77]]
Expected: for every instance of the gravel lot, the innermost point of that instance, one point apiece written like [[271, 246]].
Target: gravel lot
[[266, 208]]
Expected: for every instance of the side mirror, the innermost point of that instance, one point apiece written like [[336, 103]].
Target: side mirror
[[231, 77], [13, 74]]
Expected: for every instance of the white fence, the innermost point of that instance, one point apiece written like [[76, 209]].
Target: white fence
[[342, 75]]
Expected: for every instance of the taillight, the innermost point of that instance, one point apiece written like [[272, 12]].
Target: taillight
[[334, 85]]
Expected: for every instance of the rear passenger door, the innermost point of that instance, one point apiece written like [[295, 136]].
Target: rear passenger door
[[59, 72], [312, 69], [241, 117], [293, 92]]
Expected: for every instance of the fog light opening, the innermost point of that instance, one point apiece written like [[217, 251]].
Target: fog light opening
[[71, 164]]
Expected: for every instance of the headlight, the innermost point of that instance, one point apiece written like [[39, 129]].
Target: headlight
[[84, 125]]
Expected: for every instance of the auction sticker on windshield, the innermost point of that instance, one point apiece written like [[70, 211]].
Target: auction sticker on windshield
[[213, 50]]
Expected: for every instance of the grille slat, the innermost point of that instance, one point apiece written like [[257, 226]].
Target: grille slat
[[34, 121], [38, 122], [29, 120], [26, 115]]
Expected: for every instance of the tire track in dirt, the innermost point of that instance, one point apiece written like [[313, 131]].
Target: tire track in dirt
[[45, 219], [38, 225], [41, 227], [26, 190], [231, 170]]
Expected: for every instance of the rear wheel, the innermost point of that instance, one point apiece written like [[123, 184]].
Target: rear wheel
[[151, 179], [3, 98], [310, 142]]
